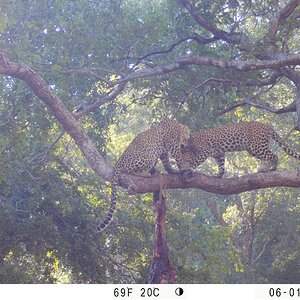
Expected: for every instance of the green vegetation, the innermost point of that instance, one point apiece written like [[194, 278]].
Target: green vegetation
[[49, 194]]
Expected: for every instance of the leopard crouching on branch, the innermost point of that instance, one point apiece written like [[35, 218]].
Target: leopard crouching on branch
[[142, 154], [253, 137]]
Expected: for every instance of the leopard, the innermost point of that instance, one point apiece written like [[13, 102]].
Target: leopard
[[168, 137], [253, 137]]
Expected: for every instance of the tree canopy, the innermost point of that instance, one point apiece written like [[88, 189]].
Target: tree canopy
[[79, 79]]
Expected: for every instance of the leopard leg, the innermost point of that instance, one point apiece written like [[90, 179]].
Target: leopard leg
[[165, 159], [271, 163], [220, 159], [265, 154], [153, 171]]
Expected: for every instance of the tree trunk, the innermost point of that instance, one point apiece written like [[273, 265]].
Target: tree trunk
[[161, 270]]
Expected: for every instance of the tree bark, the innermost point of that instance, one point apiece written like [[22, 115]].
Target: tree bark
[[59, 110], [200, 61], [222, 186], [161, 270]]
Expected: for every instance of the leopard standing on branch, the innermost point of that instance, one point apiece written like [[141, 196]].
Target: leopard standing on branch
[[142, 154], [253, 137]]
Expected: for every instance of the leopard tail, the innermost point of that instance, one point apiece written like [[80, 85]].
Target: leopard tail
[[100, 227], [287, 149]]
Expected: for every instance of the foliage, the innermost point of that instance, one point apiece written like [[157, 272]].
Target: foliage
[[49, 196]]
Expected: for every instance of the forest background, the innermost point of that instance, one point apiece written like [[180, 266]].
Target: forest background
[[82, 78]]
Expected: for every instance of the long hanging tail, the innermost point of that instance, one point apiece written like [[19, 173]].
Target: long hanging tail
[[112, 208], [287, 149]]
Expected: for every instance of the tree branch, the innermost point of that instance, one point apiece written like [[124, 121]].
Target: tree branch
[[9, 117], [280, 18], [161, 269], [216, 82], [223, 186], [194, 37], [59, 110], [211, 204], [39, 158], [289, 108], [103, 100], [232, 38], [264, 248], [289, 60], [89, 71]]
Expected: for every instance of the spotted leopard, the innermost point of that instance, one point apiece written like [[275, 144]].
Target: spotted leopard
[[253, 137], [142, 154]]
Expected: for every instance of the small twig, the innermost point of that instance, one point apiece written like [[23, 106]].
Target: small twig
[[193, 37], [9, 117], [289, 108], [89, 71], [269, 240], [264, 106], [32, 176], [103, 100], [39, 158], [211, 80]]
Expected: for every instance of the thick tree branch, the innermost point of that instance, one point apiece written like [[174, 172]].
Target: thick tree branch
[[61, 113], [224, 186], [200, 61], [293, 75]]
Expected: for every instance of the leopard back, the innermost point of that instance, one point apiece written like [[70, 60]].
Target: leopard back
[[253, 137], [142, 154]]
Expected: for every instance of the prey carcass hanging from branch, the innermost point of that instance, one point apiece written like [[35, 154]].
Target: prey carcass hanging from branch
[[161, 269]]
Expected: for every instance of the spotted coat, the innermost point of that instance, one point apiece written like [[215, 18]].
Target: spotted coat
[[253, 137], [142, 154]]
